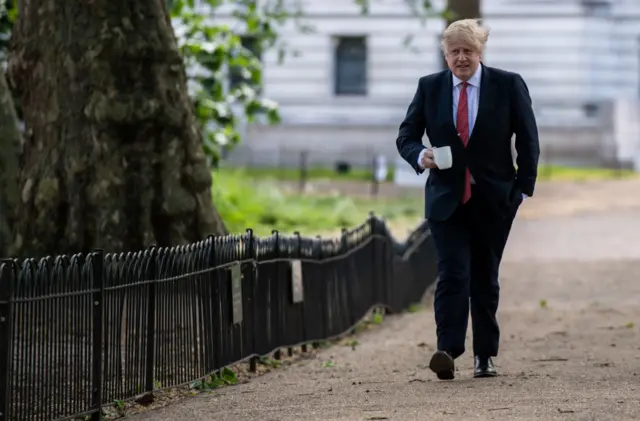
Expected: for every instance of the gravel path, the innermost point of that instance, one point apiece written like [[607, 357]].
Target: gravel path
[[570, 317]]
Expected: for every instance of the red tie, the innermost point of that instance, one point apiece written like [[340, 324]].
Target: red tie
[[462, 124]]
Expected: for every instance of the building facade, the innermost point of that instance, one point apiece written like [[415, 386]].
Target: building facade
[[345, 87]]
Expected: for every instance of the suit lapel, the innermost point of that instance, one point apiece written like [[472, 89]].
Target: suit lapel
[[445, 103], [485, 102]]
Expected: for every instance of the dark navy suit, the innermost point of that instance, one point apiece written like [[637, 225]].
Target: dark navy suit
[[470, 238]]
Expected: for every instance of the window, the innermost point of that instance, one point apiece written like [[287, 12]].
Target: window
[[252, 44], [350, 72], [596, 8], [590, 109]]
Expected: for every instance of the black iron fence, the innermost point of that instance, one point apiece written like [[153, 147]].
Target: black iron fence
[[79, 332]]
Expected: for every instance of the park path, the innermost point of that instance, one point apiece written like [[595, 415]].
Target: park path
[[570, 350]]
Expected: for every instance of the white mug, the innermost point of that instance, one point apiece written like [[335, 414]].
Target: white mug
[[442, 157]]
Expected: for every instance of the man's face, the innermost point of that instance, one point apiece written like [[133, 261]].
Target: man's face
[[462, 59]]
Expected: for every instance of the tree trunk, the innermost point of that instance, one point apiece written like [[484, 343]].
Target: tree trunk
[[463, 9], [9, 169], [113, 156]]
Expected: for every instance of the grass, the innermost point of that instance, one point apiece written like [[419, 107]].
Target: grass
[[545, 173], [252, 198], [258, 203], [562, 173], [318, 173]]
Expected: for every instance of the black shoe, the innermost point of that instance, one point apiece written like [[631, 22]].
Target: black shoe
[[442, 364], [483, 367]]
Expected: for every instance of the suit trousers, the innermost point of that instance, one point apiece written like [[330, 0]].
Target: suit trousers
[[469, 247]]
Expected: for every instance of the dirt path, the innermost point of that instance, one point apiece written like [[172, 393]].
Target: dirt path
[[570, 317]]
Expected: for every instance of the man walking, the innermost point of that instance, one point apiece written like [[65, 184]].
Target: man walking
[[475, 110]]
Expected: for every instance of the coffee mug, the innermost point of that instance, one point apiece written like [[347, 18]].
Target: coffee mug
[[442, 157]]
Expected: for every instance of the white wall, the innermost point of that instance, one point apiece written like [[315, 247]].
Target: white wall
[[305, 82]]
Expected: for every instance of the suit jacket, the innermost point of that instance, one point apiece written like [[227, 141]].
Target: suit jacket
[[504, 109]]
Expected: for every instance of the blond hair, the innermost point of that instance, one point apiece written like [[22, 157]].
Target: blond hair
[[468, 31]]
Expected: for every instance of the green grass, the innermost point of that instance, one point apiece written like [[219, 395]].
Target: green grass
[[251, 198], [318, 173], [247, 202], [545, 173], [562, 173]]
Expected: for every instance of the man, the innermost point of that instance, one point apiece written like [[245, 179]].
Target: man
[[475, 110]]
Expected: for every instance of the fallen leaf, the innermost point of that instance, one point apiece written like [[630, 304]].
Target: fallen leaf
[[566, 411], [146, 399]]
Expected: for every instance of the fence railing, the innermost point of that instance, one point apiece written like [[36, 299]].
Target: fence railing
[[84, 331]]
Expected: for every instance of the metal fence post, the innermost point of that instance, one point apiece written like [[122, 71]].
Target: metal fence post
[[7, 281], [318, 244], [253, 361], [151, 320], [97, 260], [298, 256], [379, 282], [277, 355]]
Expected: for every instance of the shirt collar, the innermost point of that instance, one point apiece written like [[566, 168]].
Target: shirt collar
[[475, 79]]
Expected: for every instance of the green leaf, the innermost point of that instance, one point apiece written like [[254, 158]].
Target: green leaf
[[215, 53], [228, 376]]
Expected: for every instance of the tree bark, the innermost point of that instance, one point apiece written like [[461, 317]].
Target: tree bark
[[463, 9], [113, 158], [10, 144]]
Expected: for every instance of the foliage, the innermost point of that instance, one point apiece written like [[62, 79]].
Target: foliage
[[223, 59], [222, 43], [225, 377], [223, 62], [244, 202], [8, 15]]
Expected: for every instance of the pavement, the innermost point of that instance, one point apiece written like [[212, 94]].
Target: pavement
[[570, 347]]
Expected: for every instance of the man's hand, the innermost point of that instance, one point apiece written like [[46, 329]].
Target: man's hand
[[426, 159]]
